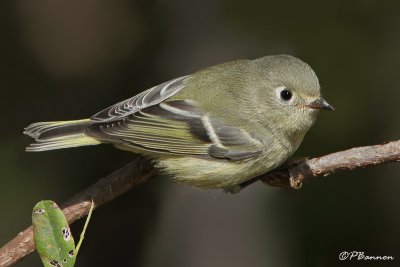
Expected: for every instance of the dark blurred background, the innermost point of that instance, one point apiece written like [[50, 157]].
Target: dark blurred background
[[68, 59]]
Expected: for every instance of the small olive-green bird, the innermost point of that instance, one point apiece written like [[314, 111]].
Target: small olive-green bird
[[216, 128]]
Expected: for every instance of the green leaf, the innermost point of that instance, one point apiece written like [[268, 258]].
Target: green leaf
[[52, 235]]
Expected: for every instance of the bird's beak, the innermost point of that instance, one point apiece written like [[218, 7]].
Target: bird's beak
[[320, 103]]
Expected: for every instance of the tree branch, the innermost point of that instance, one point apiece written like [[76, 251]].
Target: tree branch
[[292, 174], [295, 172]]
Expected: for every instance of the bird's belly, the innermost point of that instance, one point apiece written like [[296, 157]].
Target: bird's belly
[[214, 173]]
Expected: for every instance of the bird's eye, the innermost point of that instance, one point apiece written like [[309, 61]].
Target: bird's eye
[[286, 95]]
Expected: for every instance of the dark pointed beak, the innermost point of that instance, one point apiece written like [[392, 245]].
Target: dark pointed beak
[[320, 103]]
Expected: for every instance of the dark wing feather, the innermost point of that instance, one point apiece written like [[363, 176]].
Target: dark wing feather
[[224, 153]]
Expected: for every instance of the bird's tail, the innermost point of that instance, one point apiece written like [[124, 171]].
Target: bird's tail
[[59, 134]]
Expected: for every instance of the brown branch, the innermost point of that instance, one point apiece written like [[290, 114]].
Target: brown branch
[[293, 174]]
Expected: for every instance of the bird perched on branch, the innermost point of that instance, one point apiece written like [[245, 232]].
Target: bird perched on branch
[[215, 128]]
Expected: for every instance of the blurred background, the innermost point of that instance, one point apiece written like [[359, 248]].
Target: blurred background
[[69, 59]]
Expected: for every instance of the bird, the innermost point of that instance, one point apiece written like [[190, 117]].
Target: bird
[[214, 129]]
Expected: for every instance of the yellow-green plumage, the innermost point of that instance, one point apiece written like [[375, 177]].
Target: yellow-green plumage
[[215, 128]]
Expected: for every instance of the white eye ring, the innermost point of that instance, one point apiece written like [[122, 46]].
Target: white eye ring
[[283, 94]]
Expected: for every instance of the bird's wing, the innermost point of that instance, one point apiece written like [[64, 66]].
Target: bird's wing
[[147, 98], [176, 127]]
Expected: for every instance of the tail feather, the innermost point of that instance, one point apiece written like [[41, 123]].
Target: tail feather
[[59, 134]]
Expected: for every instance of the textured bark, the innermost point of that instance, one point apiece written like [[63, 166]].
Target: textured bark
[[291, 174]]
